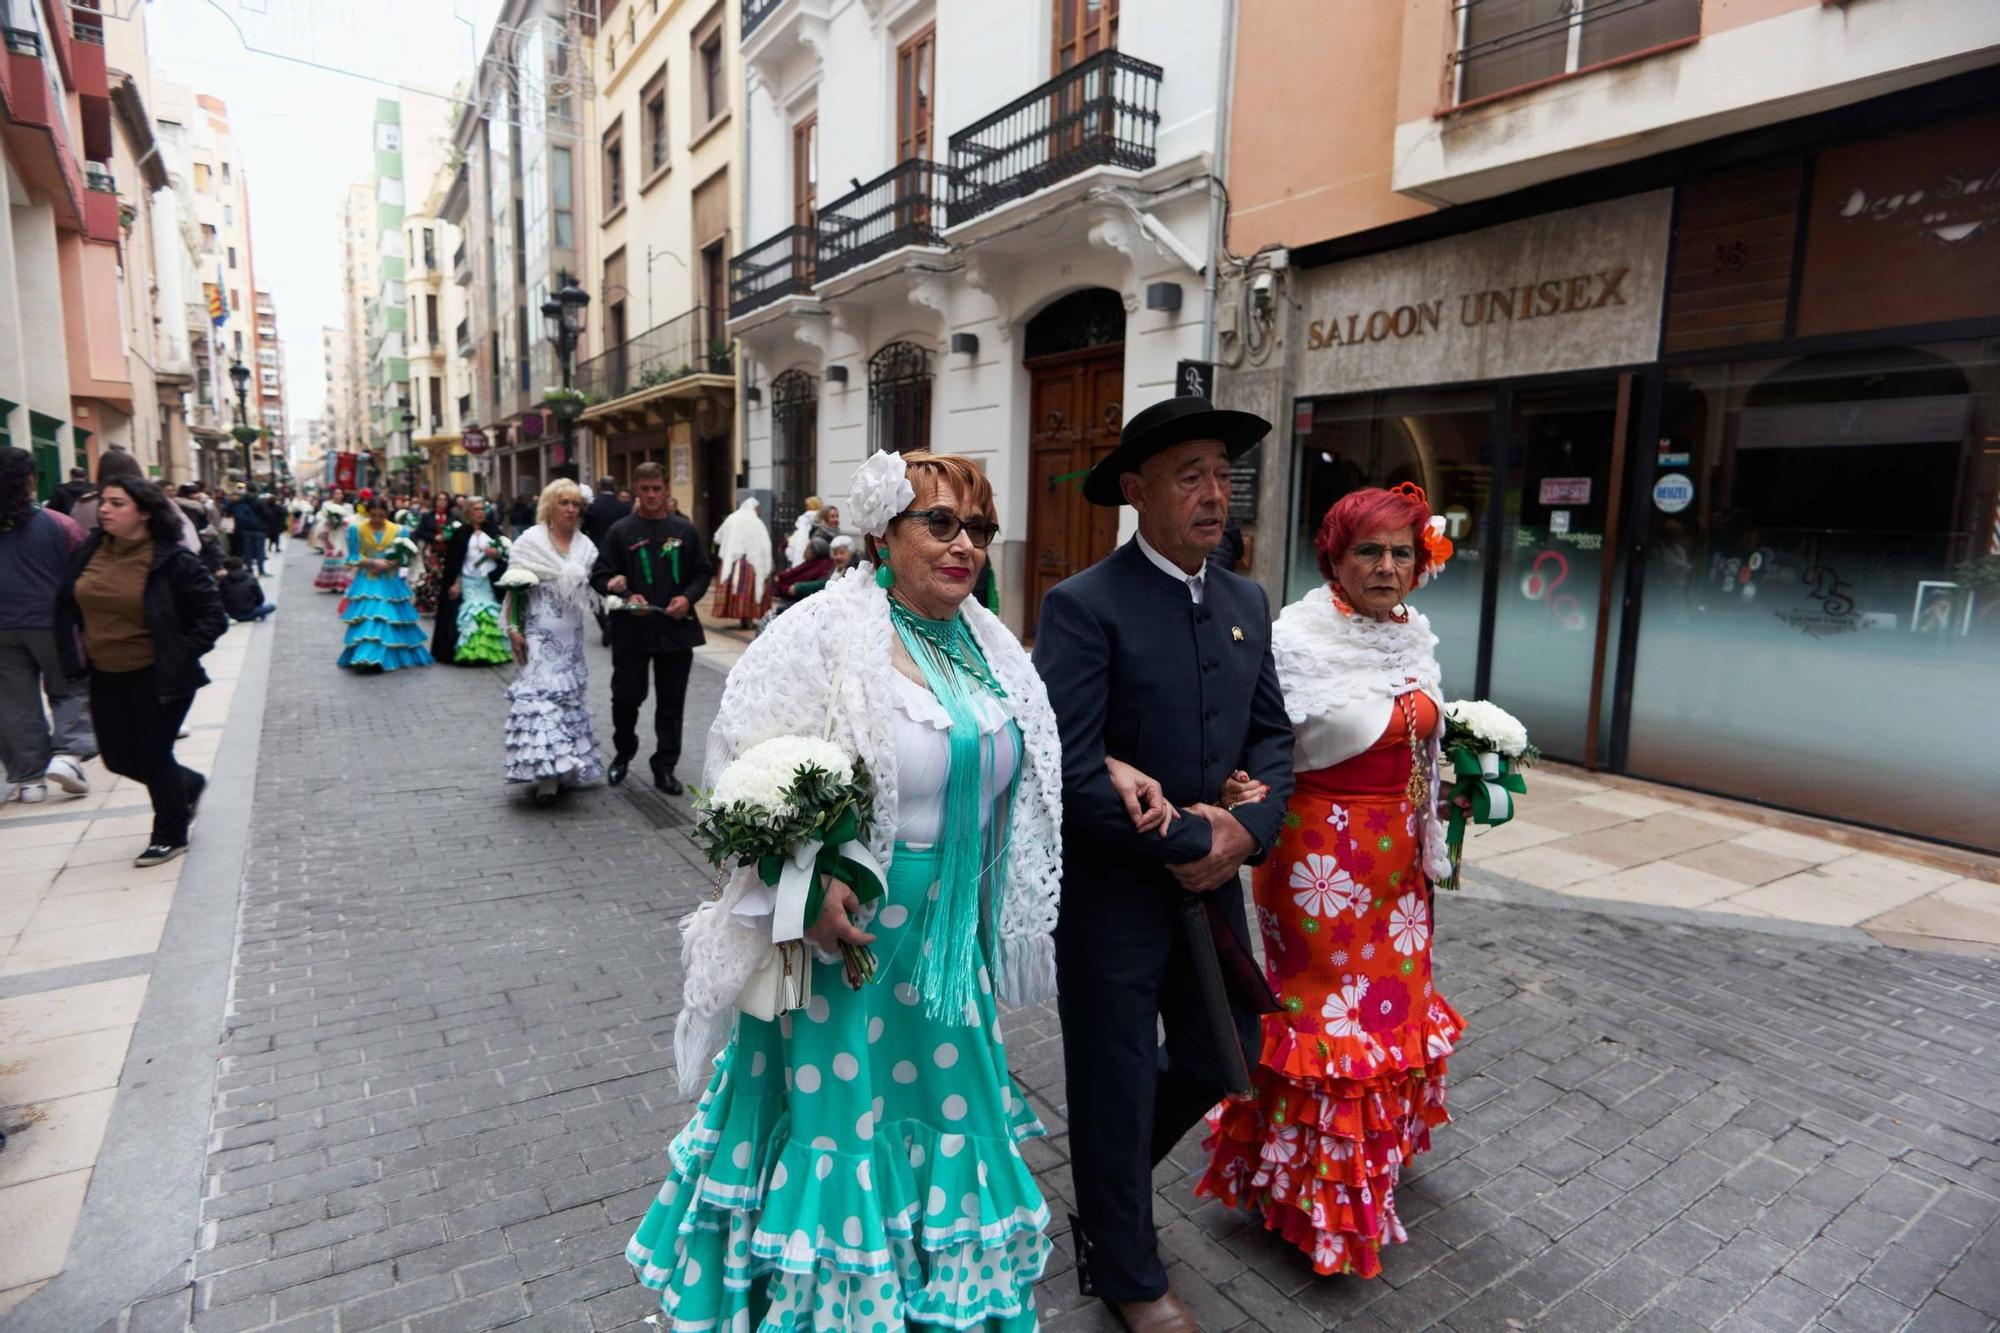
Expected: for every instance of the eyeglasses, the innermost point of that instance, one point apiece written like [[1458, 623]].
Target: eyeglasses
[[944, 526], [1370, 553]]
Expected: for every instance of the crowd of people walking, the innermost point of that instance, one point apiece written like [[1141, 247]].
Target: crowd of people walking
[[1066, 824]]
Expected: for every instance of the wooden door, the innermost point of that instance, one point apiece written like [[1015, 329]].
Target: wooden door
[[805, 171], [916, 68], [1077, 410]]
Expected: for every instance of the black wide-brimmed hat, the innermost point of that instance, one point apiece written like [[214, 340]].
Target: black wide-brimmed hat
[[1164, 425]]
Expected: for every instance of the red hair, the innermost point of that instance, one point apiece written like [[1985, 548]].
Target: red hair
[[1356, 512]]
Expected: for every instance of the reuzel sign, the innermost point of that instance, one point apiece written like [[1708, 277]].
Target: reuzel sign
[[1558, 296], [1562, 291]]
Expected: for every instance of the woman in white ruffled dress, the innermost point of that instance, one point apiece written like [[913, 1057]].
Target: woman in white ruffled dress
[[549, 738]]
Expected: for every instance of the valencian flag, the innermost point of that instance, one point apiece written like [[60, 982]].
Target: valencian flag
[[218, 301]]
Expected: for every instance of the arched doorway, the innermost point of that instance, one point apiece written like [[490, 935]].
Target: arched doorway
[[1074, 353], [794, 446]]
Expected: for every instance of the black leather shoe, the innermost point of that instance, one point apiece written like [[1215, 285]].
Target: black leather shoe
[[616, 773], [664, 779]]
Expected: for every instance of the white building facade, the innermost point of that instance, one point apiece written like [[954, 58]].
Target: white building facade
[[979, 229]]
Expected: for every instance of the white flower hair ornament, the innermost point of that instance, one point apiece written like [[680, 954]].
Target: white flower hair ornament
[[879, 491]]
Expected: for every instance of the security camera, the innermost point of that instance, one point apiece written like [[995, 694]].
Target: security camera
[[1263, 294]]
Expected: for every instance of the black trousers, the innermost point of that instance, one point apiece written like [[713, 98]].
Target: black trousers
[[135, 738], [1122, 969], [629, 672]]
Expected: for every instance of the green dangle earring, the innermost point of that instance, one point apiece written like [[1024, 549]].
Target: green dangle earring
[[885, 577]]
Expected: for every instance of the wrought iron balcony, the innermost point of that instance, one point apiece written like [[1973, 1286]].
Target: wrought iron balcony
[[691, 343], [755, 12], [778, 267], [905, 205], [1102, 112]]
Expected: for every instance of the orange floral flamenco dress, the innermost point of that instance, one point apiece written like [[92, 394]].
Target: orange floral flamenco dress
[[1350, 1077]]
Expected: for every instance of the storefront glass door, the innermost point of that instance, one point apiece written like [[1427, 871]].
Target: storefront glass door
[[1552, 560]]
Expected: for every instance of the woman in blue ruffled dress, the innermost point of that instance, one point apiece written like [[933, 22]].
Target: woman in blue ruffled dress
[[383, 633], [857, 1163]]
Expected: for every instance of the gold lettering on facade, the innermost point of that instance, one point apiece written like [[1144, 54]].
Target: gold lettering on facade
[[1476, 309]]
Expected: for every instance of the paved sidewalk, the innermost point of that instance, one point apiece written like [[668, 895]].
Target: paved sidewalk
[[443, 1080], [1613, 839], [81, 945]]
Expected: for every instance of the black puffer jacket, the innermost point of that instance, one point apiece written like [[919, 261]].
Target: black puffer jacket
[[183, 612]]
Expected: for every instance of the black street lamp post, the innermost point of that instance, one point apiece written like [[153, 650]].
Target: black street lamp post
[[244, 433], [563, 315], [409, 445]]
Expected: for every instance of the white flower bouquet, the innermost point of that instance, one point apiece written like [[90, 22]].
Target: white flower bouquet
[[1485, 747], [798, 809], [517, 578]]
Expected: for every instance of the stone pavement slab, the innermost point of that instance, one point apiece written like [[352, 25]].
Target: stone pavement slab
[[444, 1080]]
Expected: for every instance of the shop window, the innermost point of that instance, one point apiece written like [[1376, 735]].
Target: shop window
[[1820, 624], [794, 446], [1507, 44], [899, 398]]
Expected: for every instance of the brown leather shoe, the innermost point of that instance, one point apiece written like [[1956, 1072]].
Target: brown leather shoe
[[1165, 1315]]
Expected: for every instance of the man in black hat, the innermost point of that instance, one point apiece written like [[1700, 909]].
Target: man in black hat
[[1158, 659], [658, 564]]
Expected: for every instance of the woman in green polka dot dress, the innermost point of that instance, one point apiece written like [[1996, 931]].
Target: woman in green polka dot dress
[[857, 1164]]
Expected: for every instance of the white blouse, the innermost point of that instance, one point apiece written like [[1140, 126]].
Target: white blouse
[[920, 729], [479, 557]]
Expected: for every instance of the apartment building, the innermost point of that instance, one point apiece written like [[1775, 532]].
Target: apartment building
[[409, 143], [439, 374], [658, 371], [351, 424], [974, 227], [515, 198], [1685, 315]]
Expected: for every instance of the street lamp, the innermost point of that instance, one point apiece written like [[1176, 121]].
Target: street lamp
[[239, 375], [563, 315], [409, 440]]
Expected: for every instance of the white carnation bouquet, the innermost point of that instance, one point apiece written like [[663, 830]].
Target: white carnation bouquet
[[797, 809], [517, 578], [1485, 747]]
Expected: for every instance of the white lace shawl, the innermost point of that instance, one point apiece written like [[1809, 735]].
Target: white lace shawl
[[781, 686], [1347, 671], [567, 577]]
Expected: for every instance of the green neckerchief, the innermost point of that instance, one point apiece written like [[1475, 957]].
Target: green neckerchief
[[957, 673]]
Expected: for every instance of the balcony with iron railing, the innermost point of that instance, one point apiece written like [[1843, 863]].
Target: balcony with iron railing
[[1103, 112], [777, 267], [904, 206], [755, 12], [691, 343]]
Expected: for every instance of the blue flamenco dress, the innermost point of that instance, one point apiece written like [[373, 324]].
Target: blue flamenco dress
[[383, 632], [856, 1165]]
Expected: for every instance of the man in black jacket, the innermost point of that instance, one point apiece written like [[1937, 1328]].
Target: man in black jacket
[[604, 509], [1155, 658], [658, 564]]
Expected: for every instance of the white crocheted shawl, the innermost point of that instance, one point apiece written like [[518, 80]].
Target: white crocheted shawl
[[1342, 673], [840, 642]]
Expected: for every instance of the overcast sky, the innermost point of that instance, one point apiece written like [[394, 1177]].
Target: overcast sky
[[300, 78]]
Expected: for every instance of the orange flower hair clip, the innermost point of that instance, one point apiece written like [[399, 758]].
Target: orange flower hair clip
[[1409, 490], [1437, 548]]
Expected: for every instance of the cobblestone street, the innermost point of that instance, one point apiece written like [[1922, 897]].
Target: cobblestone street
[[444, 1080]]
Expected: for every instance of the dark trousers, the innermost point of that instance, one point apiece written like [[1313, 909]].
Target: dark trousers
[[135, 738], [253, 550], [669, 671], [1122, 970]]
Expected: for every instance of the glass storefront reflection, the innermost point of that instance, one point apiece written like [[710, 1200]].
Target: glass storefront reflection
[[1820, 625], [1442, 441]]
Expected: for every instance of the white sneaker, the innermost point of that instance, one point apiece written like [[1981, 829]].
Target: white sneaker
[[65, 773], [32, 793]]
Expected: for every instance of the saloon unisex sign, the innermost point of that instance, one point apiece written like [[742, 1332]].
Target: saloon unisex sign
[[1563, 291]]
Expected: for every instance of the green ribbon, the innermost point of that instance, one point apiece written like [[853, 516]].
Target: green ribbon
[[646, 563], [1481, 789], [674, 563], [829, 860]]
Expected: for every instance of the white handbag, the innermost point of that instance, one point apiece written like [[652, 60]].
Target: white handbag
[[781, 983]]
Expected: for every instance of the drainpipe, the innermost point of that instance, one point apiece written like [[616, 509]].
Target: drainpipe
[[1225, 89]]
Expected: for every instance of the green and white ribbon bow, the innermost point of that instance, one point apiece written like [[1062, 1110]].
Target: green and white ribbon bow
[[1489, 782], [796, 877]]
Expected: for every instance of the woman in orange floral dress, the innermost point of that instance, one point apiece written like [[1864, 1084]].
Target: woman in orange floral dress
[[1350, 1078]]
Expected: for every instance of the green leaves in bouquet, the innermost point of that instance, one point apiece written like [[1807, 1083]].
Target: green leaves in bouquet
[[818, 801]]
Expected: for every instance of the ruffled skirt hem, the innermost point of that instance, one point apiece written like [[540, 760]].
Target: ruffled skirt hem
[[1317, 1155]]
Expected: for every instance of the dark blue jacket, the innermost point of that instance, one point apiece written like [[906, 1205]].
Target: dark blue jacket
[[1185, 693]]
